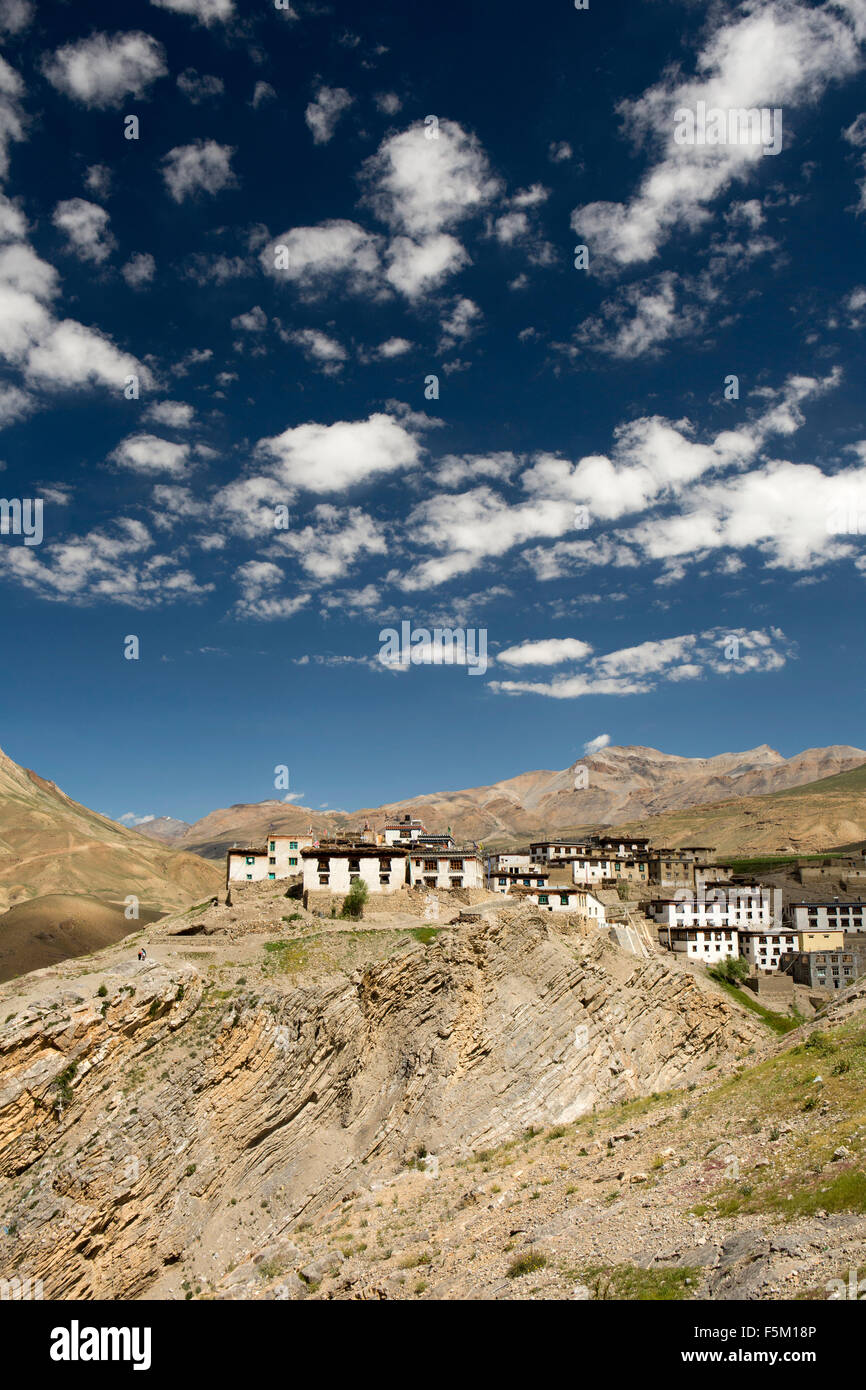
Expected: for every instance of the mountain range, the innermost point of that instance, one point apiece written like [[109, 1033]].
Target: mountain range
[[623, 785]]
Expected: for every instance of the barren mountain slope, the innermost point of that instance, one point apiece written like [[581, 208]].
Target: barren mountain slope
[[51, 844], [804, 819]]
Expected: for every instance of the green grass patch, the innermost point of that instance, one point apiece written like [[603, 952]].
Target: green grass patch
[[526, 1264], [629, 1283], [779, 1023]]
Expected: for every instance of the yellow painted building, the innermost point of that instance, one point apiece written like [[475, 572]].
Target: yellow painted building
[[822, 940]]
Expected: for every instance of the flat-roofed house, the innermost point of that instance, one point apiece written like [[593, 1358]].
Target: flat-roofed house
[[604, 868], [402, 830], [848, 916], [334, 867], [453, 868], [562, 899], [278, 857], [505, 879]]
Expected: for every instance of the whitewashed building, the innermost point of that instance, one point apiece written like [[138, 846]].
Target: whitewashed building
[[454, 868], [334, 868], [402, 831], [279, 857], [554, 898], [505, 879]]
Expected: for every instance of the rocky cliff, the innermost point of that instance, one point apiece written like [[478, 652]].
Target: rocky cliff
[[161, 1120]]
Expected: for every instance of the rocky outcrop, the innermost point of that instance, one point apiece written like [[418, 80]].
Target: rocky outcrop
[[162, 1115]]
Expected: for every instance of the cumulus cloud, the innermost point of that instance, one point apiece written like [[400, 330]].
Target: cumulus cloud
[[334, 540], [259, 582], [205, 11], [637, 670], [202, 167], [176, 414], [319, 348], [139, 270], [255, 320], [16, 15], [550, 651], [420, 186], [775, 53], [595, 745], [199, 87], [106, 565], [147, 453], [86, 227], [332, 458], [317, 260], [12, 120], [102, 70], [325, 110]]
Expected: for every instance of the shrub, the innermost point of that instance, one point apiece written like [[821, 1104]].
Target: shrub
[[526, 1264], [355, 899]]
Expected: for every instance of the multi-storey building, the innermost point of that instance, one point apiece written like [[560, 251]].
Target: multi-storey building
[[403, 831], [334, 867], [278, 857], [453, 868], [505, 879], [828, 968], [827, 916]]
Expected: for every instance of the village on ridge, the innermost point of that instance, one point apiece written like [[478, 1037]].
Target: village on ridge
[[649, 899]]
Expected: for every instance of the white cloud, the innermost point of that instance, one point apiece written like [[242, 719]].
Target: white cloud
[[549, 651], [98, 180], [12, 121], [417, 267], [176, 414], [147, 453], [636, 670], [460, 324], [421, 186], [393, 347], [558, 151], [337, 537], [105, 566], [325, 110], [388, 103], [322, 257], [318, 347], [139, 270], [15, 405], [258, 580], [263, 92], [101, 70], [16, 15], [331, 458], [199, 87], [202, 167], [86, 226], [205, 11], [595, 745], [772, 53], [255, 320]]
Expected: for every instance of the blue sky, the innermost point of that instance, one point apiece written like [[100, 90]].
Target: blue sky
[[325, 207]]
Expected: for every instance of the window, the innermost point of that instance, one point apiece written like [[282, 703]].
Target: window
[[293, 844], [251, 859], [249, 876], [455, 864], [563, 898], [272, 861], [293, 861], [271, 875], [272, 846], [430, 866], [457, 882], [542, 899]]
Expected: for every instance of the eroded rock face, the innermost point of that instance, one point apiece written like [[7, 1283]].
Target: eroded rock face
[[184, 1117]]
